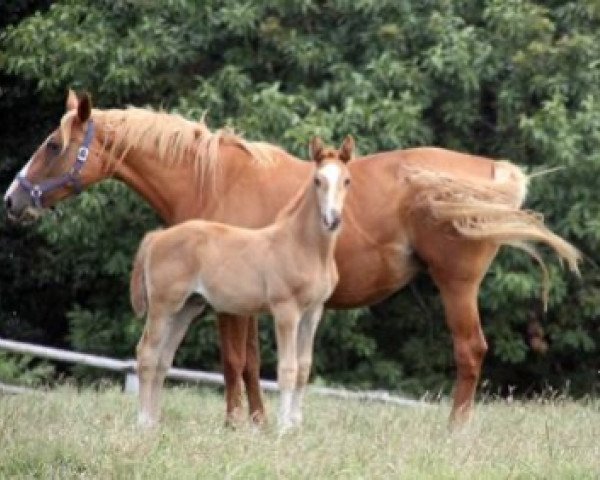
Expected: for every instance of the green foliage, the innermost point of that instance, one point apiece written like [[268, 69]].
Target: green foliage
[[24, 370], [511, 79]]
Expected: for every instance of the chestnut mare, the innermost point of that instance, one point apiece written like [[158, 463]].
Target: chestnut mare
[[407, 210], [286, 268]]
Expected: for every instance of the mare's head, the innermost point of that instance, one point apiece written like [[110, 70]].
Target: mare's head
[[64, 164], [331, 179]]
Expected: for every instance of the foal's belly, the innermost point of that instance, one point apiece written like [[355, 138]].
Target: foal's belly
[[371, 275]]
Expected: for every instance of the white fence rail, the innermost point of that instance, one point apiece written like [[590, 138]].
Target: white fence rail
[[128, 368]]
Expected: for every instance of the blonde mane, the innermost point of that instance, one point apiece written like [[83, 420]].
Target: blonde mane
[[170, 137]]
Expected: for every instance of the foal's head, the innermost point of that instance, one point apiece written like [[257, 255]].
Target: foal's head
[[331, 179]]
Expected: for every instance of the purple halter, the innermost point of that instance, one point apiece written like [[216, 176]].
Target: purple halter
[[73, 178]]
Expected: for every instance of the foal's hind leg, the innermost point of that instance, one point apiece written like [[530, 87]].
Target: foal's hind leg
[[148, 356], [173, 335]]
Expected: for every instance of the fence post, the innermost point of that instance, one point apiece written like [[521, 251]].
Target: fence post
[[132, 382]]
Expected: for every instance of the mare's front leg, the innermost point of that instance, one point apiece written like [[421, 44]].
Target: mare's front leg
[[233, 333], [305, 346], [287, 318], [251, 373]]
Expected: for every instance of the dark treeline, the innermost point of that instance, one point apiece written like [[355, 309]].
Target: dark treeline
[[509, 79]]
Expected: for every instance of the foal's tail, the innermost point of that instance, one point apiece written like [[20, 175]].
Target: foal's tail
[[137, 287], [491, 210]]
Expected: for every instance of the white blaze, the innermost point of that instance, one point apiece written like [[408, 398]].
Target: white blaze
[[332, 173], [15, 184]]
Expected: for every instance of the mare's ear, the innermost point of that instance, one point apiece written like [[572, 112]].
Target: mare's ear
[[316, 149], [72, 100], [84, 109], [347, 149]]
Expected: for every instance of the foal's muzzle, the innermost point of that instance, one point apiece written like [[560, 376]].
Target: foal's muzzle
[[332, 221]]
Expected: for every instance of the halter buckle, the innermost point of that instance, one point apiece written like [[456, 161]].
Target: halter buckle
[[82, 154], [36, 192]]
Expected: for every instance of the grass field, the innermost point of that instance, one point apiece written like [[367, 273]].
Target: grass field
[[87, 434]]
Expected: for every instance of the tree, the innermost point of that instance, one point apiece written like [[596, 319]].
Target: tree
[[510, 79]]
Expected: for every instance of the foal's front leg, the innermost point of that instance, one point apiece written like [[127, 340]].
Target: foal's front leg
[[305, 345], [287, 317]]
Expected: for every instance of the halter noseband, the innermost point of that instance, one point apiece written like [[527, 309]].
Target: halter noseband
[[37, 190]]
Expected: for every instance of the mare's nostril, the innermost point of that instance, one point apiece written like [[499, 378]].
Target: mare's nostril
[[8, 203]]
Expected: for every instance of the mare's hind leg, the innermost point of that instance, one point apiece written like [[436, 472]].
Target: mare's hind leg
[[457, 266], [305, 345], [462, 316]]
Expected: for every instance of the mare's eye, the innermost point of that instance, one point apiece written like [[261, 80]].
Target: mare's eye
[[317, 181], [53, 147], [346, 182]]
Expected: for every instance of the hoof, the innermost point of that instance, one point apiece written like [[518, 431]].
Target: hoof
[[285, 428], [258, 419], [235, 419], [146, 422], [296, 419]]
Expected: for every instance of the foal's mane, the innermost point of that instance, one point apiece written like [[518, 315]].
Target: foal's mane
[[173, 139]]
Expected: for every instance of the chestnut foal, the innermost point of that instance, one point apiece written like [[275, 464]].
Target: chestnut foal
[[286, 268]]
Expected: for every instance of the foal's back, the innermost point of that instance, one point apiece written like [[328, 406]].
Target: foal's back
[[224, 264]]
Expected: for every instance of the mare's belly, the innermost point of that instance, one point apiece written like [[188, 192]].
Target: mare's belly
[[372, 275]]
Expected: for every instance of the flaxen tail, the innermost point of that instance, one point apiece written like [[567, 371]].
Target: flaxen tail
[[490, 210], [137, 286]]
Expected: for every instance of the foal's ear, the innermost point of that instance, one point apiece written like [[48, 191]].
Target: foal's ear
[[84, 108], [72, 100], [316, 149], [347, 149]]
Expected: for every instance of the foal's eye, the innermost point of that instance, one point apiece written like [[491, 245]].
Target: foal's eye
[[317, 181], [346, 182], [53, 147]]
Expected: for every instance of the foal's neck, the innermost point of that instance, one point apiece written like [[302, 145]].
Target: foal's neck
[[301, 220]]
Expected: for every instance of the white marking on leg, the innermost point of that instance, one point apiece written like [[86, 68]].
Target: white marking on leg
[[285, 407], [296, 408], [145, 420]]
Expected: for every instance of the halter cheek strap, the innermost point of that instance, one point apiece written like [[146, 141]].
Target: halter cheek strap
[[72, 178]]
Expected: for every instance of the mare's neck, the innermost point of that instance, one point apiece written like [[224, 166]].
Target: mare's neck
[[301, 221], [172, 191]]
